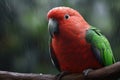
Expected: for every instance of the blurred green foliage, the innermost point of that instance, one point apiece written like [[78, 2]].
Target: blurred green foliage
[[24, 36]]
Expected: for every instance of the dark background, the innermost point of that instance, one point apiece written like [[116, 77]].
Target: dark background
[[24, 34]]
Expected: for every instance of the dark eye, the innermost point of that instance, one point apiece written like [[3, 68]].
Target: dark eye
[[66, 16]]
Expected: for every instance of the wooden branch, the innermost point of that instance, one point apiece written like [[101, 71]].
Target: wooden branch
[[111, 72], [107, 73]]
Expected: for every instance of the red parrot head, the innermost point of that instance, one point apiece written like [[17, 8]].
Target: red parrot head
[[64, 21]]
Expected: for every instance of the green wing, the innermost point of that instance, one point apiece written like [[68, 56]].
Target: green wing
[[101, 46]]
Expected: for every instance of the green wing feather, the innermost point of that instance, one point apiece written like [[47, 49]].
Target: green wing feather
[[99, 41]]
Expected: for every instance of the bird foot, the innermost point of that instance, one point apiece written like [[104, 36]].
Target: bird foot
[[60, 75], [86, 71]]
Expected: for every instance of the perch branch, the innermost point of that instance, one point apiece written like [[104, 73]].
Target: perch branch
[[107, 73]]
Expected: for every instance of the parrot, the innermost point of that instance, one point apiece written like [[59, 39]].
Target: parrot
[[75, 46]]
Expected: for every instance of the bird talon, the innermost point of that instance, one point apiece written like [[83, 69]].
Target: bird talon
[[85, 72], [60, 75]]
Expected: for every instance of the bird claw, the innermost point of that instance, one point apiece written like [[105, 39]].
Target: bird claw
[[86, 71], [60, 75]]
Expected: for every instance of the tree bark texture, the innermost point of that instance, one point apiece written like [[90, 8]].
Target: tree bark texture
[[111, 72]]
